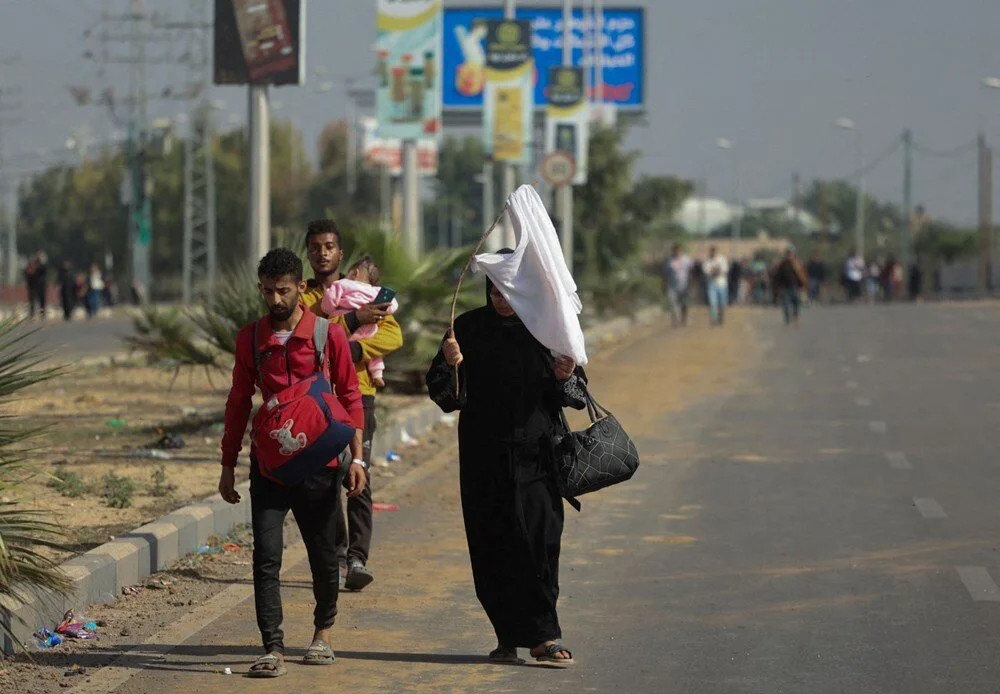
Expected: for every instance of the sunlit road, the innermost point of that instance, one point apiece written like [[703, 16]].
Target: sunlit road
[[822, 515]]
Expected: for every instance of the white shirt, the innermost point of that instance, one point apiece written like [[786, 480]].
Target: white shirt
[[717, 271], [855, 269], [680, 272], [282, 336]]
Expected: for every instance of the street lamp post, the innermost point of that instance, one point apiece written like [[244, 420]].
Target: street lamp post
[[859, 213], [737, 219]]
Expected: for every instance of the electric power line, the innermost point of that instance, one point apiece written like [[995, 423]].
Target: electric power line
[[946, 153]]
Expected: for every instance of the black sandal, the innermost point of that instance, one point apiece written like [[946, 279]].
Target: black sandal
[[550, 655], [505, 655]]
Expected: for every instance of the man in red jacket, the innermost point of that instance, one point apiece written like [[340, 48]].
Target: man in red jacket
[[285, 354]]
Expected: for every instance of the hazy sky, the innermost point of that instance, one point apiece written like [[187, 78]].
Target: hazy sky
[[770, 75]]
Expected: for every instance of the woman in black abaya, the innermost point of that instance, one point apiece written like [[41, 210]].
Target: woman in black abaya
[[511, 391]]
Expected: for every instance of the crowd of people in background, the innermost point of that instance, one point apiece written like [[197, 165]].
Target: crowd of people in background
[[93, 288], [718, 282]]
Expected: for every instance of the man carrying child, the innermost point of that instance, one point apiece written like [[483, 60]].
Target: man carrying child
[[325, 252]]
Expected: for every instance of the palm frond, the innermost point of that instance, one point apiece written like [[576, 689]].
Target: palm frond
[[23, 532]]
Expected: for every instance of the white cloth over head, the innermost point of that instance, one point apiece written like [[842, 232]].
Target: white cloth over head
[[534, 278]]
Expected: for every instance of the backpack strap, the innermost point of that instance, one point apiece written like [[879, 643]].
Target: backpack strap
[[321, 331], [257, 356]]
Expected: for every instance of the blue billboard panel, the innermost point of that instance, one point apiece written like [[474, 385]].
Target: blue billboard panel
[[623, 44]]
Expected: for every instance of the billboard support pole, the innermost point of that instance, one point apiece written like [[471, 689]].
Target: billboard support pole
[[259, 205], [565, 199], [493, 241], [509, 12], [385, 198], [411, 200]]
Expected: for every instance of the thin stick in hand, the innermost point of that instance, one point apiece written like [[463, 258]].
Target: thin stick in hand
[[461, 277]]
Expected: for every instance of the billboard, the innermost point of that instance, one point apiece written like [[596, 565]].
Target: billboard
[[259, 42], [463, 52], [566, 118], [408, 68], [509, 80], [378, 151]]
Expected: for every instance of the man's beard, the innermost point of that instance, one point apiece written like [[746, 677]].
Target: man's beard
[[325, 273], [281, 313]]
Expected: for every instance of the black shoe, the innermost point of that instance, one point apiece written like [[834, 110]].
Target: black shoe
[[358, 576]]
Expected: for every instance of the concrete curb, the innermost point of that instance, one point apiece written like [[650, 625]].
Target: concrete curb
[[100, 574]]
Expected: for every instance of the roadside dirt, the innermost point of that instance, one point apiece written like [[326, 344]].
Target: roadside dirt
[[100, 420]]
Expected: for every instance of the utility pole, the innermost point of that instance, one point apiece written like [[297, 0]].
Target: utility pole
[[796, 197], [565, 192], [906, 242], [352, 138], [259, 203], [140, 208], [411, 200], [199, 254], [8, 191], [509, 175], [985, 213], [135, 29]]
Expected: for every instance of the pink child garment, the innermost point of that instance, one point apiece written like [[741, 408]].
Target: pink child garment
[[344, 296]]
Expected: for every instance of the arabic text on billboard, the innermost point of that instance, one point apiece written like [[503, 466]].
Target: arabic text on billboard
[[464, 51], [259, 42]]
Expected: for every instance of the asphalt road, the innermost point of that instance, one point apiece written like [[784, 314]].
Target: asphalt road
[[826, 521], [81, 338]]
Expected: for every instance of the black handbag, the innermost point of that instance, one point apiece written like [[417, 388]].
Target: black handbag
[[597, 457]]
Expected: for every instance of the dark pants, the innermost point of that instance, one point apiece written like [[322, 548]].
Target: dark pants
[[36, 297], [790, 303], [354, 538], [314, 503]]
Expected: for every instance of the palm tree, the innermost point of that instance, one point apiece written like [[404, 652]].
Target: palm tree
[[206, 337], [23, 533]]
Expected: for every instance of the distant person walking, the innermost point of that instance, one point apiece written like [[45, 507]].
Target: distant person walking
[[67, 290], [734, 275], [95, 290], [916, 281], [36, 279], [789, 279], [854, 276], [677, 275], [816, 273], [716, 270]]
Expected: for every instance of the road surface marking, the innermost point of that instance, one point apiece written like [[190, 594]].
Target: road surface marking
[[898, 460], [853, 385], [878, 427], [929, 508], [864, 358], [979, 584], [845, 369], [863, 402]]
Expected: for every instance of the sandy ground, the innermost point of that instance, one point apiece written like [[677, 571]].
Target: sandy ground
[[100, 419], [656, 371]]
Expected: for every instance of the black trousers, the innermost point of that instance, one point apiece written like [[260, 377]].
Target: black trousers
[[36, 297], [354, 537], [314, 503]]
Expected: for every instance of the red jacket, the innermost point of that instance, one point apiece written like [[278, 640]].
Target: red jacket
[[280, 367]]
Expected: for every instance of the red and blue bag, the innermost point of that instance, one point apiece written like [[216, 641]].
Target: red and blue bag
[[295, 434]]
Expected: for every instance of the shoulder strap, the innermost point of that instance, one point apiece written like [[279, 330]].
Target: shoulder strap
[[257, 356], [321, 331]]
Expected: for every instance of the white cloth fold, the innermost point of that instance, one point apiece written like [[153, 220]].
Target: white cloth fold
[[535, 280]]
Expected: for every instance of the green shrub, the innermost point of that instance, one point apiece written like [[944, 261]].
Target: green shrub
[[68, 483], [117, 491], [160, 486]]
